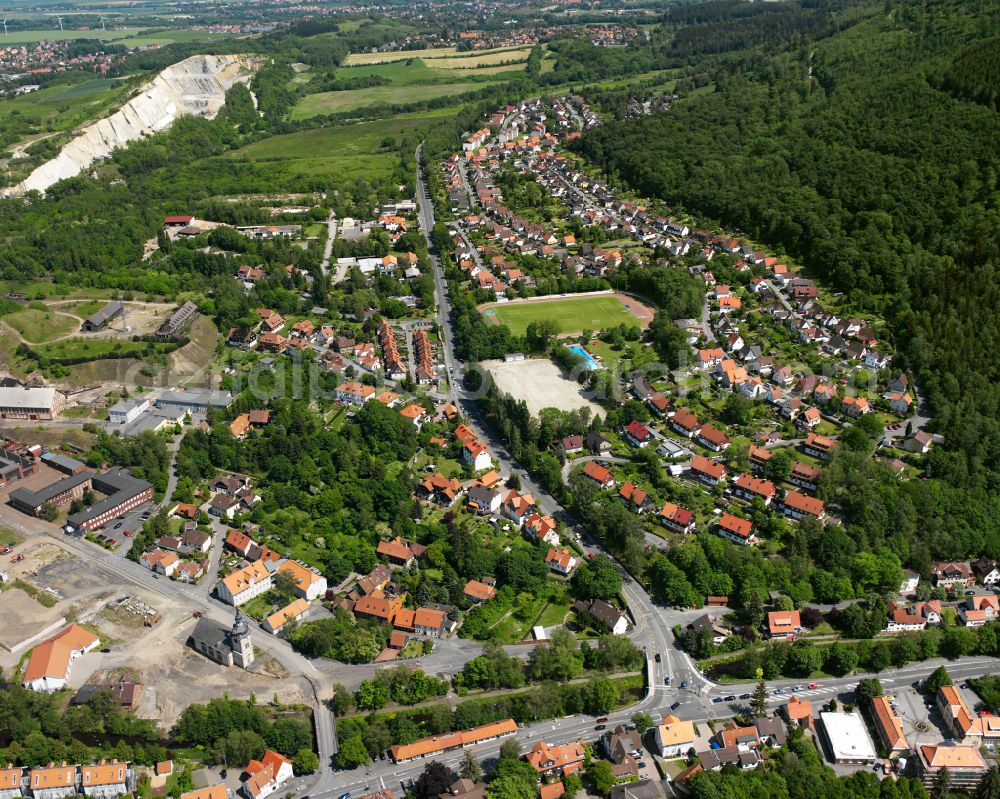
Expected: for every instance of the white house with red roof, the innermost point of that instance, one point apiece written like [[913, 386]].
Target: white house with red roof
[[263, 777]]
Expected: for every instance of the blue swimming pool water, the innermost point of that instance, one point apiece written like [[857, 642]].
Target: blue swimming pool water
[[588, 359]]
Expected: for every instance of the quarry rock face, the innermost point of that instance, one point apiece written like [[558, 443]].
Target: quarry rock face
[[196, 85]]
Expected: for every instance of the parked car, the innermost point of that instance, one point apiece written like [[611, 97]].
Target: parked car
[[717, 700], [731, 698], [745, 696]]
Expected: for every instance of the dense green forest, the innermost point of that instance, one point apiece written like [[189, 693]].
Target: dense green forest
[[859, 155]]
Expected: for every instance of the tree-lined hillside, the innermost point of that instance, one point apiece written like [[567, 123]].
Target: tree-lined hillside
[[849, 154]]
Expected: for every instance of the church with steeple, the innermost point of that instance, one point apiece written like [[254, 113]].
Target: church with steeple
[[226, 646]]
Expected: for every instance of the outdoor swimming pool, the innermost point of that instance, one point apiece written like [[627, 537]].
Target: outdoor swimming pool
[[589, 361]]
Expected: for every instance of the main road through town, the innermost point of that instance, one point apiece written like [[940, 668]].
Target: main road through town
[[675, 683]]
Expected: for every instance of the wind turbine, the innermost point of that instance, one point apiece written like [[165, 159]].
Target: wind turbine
[[5, 28], [60, 22], [102, 22]]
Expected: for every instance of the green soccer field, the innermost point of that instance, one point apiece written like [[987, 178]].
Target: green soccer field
[[570, 315]]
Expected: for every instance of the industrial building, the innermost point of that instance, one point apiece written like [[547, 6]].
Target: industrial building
[[102, 318], [122, 491], [194, 400], [178, 321], [17, 402]]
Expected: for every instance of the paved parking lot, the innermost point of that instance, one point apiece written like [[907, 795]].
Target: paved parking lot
[[131, 522], [921, 724]]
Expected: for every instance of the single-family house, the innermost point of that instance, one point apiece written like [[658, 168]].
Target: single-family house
[[560, 560], [783, 623], [673, 737]]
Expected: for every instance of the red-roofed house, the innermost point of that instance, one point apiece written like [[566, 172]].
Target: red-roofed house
[[638, 434], [599, 474], [736, 529], [265, 776], [708, 471]]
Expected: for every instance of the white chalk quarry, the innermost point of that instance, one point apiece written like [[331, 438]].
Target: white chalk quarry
[[195, 86]]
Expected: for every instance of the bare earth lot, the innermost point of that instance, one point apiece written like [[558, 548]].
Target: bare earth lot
[[86, 588], [541, 384]]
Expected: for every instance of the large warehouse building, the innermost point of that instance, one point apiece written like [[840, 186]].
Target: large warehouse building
[[18, 402]]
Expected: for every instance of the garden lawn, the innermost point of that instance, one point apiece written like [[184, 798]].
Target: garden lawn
[[569, 315], [554, 614]]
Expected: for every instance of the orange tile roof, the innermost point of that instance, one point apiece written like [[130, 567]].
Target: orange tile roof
[[735, 525], [303, 577], [798, 709], [544, 757], [212, 792], [821, 443], [463, 432], [53, 776], [103, 773], [240, 425], [10, 778], [953, 757], [356, 389], [552, 790], [561, 557], [238, 541], [490, 479], [889, 724], [379, 607], [395, 549], [240, 580], [480, 591], [699, 463], [597, 472], [52, 657], [404, 619], [442, 743], [291, 611], [960, 713], [412, 412], [763, 488], [803, 504], [783, 622], [674, 731], [426, 617]]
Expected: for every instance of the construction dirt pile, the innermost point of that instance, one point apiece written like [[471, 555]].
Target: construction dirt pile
[[196, 85]]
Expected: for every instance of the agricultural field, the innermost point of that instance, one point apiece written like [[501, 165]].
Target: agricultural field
[[345, 152], [355, 59], [61, 107], [332, 102], [570, 314], [130, 37], [486, 58]]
